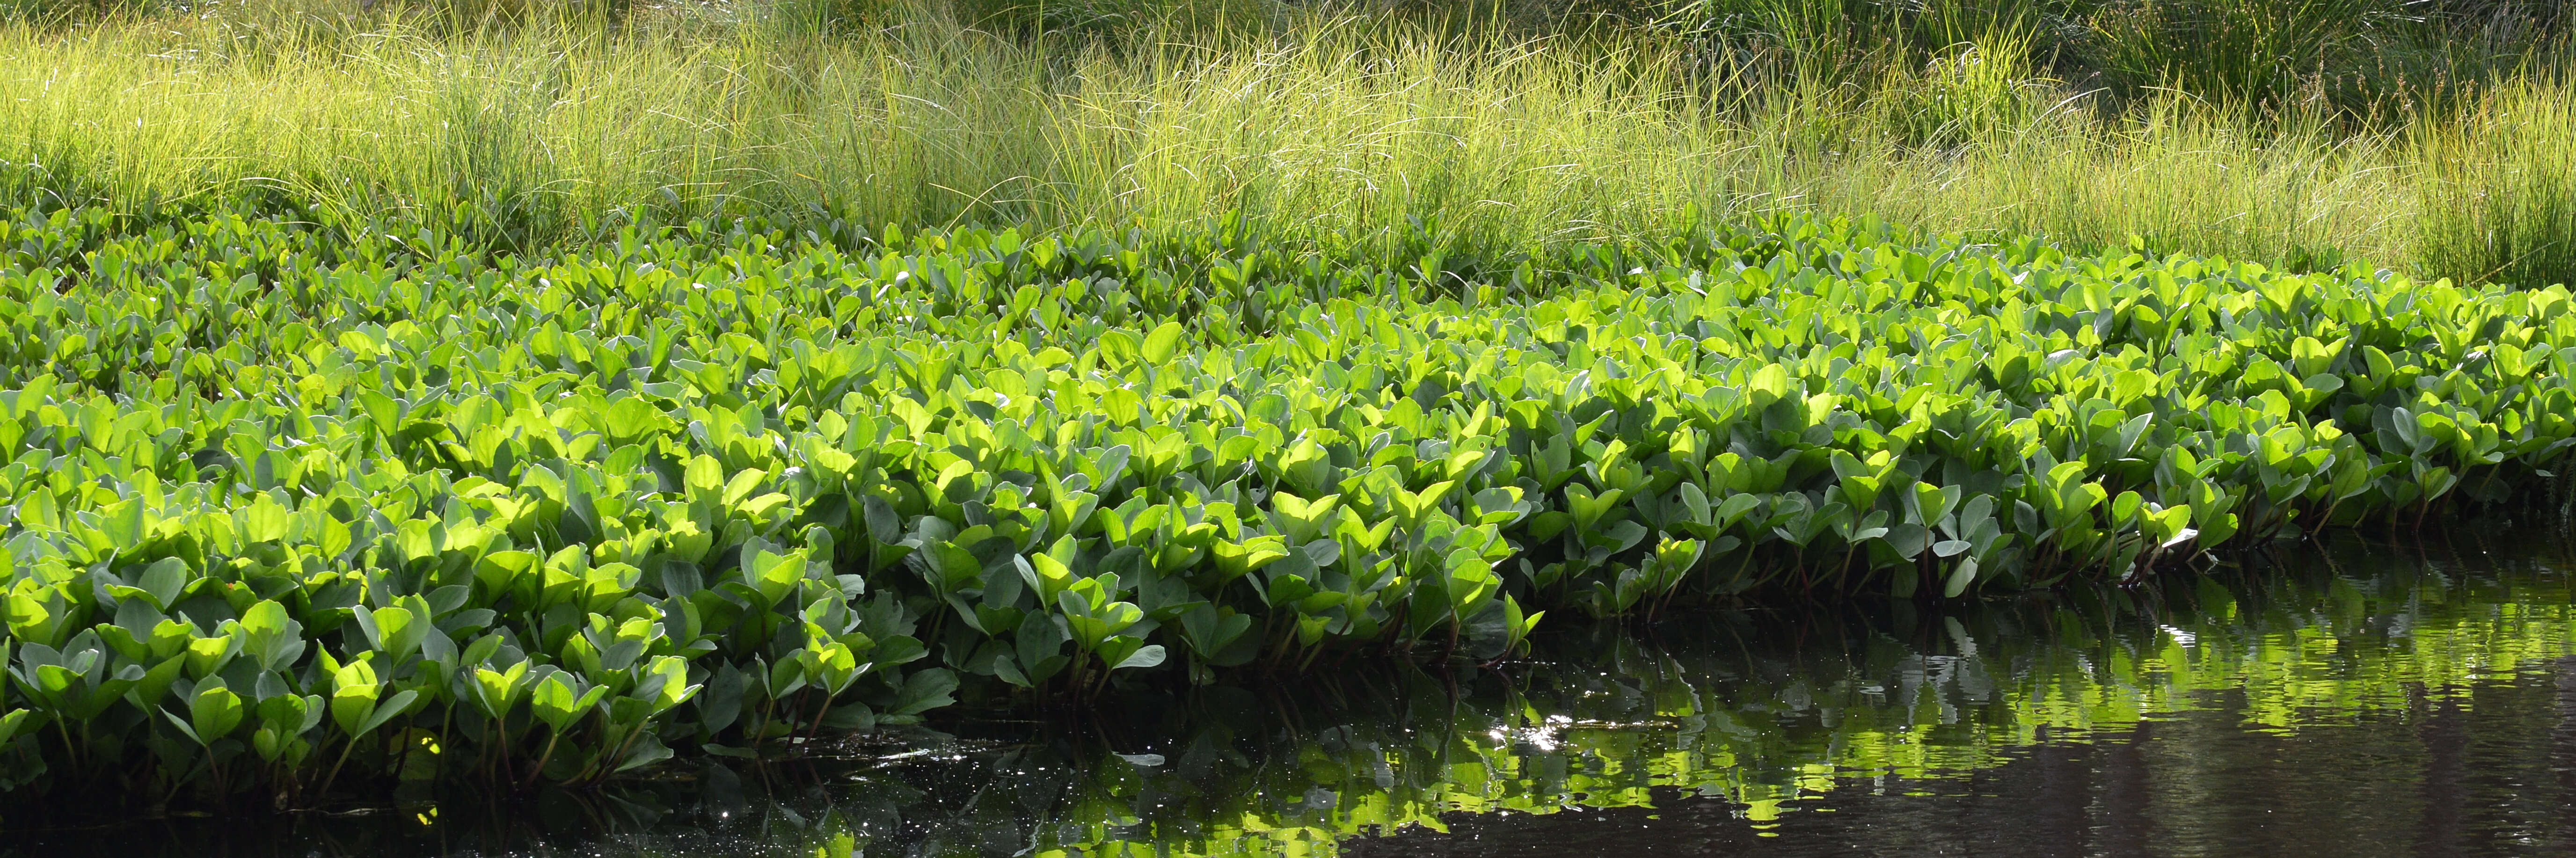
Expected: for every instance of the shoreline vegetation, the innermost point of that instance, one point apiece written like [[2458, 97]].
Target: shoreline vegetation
[[532, 401]]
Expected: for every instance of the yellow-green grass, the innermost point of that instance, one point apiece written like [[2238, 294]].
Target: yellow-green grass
[[1341, 134]]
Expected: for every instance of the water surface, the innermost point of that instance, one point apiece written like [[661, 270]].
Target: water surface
[[2362, 699]]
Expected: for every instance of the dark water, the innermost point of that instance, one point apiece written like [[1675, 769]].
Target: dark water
[[2355, 701]]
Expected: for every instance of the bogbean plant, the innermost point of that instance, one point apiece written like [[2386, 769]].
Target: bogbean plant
[[285, 519]]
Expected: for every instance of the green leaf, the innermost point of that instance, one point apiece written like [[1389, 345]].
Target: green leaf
[[1960, 578], [923, 691], [214, 712], [648, 750], [1162, 344], [1147, 656], [164, 580], [17, 722]]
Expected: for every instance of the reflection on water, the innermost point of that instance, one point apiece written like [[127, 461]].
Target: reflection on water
[[2361, 701]]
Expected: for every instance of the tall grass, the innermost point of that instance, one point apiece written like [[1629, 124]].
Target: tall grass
[[2357, 57], [2499, 190], [1341, 134]]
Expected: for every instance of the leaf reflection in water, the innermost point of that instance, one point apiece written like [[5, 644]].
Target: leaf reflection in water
[[2359, 700]]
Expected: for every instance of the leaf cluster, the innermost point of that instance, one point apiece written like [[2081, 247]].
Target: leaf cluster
[[425, 512]]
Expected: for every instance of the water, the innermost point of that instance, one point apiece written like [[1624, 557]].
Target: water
[[2362, 700]]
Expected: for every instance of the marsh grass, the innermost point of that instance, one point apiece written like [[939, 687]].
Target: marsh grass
[[1343, 135], [2498, 191]]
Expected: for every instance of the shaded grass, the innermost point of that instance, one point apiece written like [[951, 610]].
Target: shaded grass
[[1368, 138]]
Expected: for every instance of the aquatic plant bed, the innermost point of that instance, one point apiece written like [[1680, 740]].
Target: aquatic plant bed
[[289, 515]]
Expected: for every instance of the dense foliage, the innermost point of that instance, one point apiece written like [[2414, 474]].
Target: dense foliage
[[285, 512]]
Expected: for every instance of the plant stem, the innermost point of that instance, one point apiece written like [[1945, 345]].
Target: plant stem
[[539, 770], [334, 776]]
